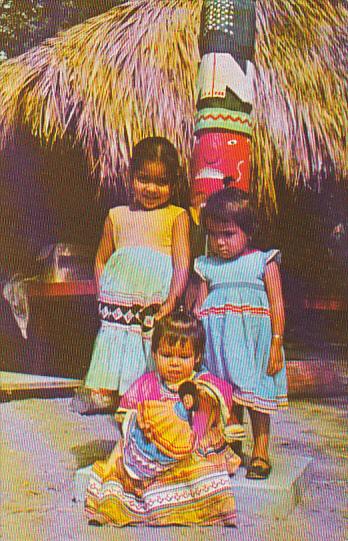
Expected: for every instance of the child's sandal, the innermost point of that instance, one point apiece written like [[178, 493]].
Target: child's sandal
[[258, 471], [93, 522]]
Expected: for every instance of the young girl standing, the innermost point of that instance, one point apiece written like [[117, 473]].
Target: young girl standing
[[241, 306], [141, 270]]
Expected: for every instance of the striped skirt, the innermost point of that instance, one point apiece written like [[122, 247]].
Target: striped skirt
[[196, 490], [135, 282]]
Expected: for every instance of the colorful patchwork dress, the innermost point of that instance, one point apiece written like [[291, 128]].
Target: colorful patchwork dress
[[135, 282], [180, 468], [237, 320]]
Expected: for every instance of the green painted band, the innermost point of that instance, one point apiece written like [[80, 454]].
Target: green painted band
[[212, 118]]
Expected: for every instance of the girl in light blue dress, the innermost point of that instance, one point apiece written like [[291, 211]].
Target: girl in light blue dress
[[241, 306]]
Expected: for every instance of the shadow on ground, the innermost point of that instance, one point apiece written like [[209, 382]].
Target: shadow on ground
[[94, 450]]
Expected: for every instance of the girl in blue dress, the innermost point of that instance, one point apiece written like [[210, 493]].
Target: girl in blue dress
[[241, 306]]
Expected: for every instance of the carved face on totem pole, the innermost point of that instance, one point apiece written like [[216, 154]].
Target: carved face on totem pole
[[216, 155]]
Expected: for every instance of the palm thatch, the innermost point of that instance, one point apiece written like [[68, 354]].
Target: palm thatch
[[131, 72]]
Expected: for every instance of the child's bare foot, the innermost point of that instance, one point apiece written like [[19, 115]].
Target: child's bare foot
[[102, 399], [91, 401], [130, 485], [134, 486]]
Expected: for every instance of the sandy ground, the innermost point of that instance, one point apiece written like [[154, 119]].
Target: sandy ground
[[43, 443]]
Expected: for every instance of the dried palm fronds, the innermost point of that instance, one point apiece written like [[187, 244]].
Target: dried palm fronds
[[131, 72], [300, 98]]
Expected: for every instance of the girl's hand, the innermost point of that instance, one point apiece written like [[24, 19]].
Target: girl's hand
[[273, 285], [196, 311], [166, 308], [147, 429], [276, 361], [201, 295], [145, 426]]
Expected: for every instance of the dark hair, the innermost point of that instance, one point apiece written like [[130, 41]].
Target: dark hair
[[154, 149], [189, 387], [230, 205], [179, 327]]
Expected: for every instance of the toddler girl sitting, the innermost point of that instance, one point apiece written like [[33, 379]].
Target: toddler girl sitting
[[172, 464]]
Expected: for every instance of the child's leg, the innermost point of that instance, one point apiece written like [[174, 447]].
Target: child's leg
[[237, 415], [260, 423]]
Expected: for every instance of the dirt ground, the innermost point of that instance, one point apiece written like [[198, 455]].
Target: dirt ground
[[43, 443]]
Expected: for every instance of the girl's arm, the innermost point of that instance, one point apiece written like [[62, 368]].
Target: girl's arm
[[202, 294], [181, 263], [273, 286], [105, 250]]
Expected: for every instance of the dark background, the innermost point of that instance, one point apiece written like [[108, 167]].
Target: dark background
[[47, 195]]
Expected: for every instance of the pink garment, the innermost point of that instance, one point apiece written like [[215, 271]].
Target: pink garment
[[149, 387], [200, 424]]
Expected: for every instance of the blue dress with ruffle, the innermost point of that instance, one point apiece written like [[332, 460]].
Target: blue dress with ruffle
[[237, 320]]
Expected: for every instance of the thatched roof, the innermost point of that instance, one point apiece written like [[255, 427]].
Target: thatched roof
[[131, 72]]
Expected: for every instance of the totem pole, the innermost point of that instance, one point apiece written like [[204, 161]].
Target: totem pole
[[223, 127]]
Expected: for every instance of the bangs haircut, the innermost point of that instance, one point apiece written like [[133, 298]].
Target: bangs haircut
[[179, 328], [230, 205], [173, 339]]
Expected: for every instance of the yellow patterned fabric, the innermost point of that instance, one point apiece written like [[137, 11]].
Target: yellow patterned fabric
[[142, 484], [152, 228], [156, 474], [197, 490], [171, 435]]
